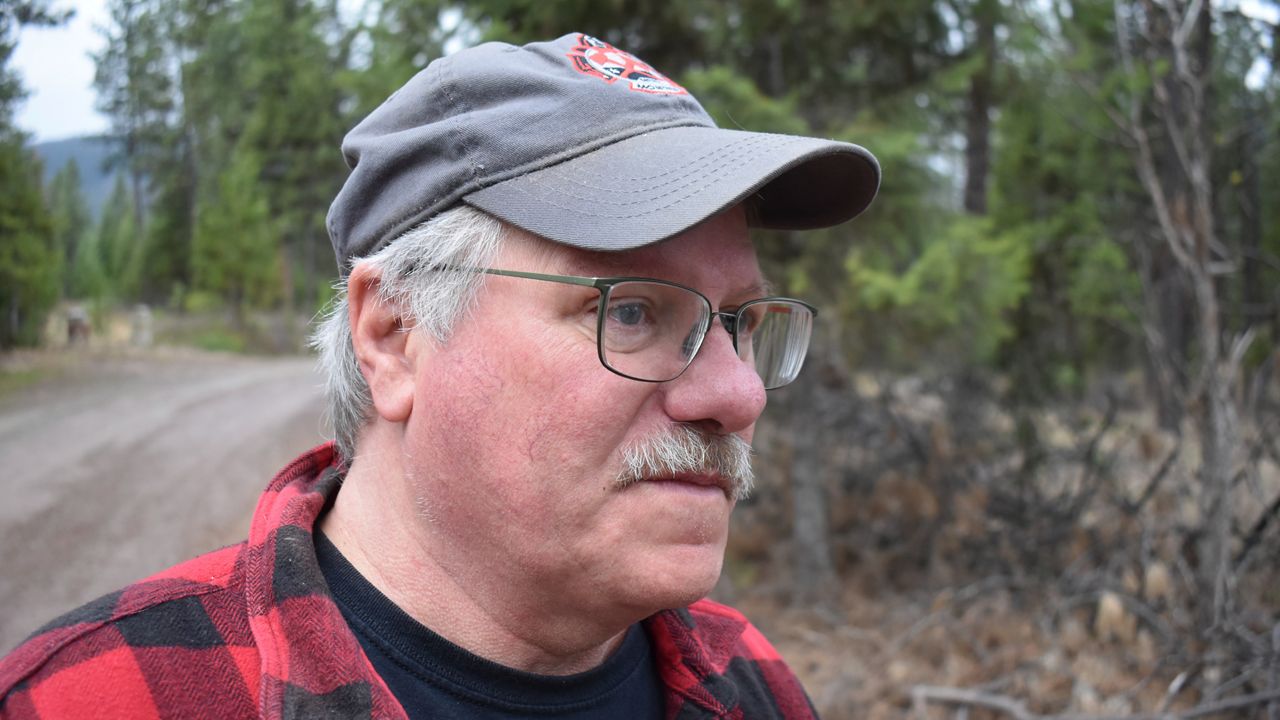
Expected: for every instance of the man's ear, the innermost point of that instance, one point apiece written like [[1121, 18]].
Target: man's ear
[[382, 345]]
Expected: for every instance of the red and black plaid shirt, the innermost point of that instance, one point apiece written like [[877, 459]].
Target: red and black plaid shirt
[[251, 631]]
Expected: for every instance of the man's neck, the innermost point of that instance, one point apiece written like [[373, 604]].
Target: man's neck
[[379, 526]]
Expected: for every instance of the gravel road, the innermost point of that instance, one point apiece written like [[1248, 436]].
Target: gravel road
[[118, 466]]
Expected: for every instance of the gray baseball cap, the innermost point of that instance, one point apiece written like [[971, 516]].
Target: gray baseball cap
[[583, 144]]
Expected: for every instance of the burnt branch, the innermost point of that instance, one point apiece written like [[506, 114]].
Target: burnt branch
[[1133, 508]]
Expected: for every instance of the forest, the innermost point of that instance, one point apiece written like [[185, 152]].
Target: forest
[[1032, 469]]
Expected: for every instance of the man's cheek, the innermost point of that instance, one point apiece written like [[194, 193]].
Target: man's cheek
[[565, 425]]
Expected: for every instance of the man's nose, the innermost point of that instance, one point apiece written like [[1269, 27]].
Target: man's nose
[[719, 390]]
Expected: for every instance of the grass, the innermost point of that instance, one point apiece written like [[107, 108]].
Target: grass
[[12, 381], [219, 340]]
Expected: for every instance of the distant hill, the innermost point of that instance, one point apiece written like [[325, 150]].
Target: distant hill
[[90, 153]]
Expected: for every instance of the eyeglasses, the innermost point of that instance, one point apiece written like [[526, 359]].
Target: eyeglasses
[[650, 330]]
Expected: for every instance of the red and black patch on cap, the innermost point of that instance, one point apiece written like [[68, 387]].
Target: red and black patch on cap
[[598, 58]]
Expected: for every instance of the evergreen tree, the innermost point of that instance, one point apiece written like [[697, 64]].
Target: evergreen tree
[[30, 265], [119, 250], [996, 111], [237, 250], [71, 224], [135, 90], [294, 126], [203, 40], [404, 36]]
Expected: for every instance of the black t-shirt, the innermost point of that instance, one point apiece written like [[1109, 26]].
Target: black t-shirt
[[433, 678]]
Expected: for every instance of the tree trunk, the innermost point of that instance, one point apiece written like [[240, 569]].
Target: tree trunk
[[815, 574], [1174, 322], [978, 120], [138, 185], [1175, 171], [819, 391], [1219, 441], [1255, 305]]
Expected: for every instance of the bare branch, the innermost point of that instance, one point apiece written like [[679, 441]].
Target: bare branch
[[1090, 454], [1234, 703], [1094, 93], [1219, 269], [1188, 24], [1132, 508], [1273, 708], [923, 694], [1175, 687], [1235, 358], [1139, 608], [1257, 531], [1174, 130]]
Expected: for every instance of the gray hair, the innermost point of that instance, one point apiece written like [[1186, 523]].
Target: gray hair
[[687, 449], [463, 238]]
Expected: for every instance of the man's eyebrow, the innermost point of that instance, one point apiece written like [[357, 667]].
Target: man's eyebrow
[[758, 289], [622, 267]]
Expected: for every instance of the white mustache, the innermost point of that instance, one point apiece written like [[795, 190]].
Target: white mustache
[[686, 449]]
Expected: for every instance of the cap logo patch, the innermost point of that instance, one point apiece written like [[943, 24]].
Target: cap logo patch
[[598, 58]]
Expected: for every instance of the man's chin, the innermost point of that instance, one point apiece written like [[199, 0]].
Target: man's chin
[[681, 584]]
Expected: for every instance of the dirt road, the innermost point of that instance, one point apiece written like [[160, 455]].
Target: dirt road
[[116, 467]]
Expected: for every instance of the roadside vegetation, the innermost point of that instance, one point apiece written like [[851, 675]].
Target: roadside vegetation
[[1031, 469]]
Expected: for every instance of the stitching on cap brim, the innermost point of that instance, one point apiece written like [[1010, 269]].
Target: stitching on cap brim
[[689, 174]]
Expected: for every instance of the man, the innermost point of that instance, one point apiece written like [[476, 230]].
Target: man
[[553, 346]]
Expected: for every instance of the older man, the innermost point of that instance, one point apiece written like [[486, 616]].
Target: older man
[[544, 373]]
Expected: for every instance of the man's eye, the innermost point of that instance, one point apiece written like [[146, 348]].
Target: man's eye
[[629, 314]]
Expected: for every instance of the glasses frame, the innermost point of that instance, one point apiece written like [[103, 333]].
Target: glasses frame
[[729, 320]]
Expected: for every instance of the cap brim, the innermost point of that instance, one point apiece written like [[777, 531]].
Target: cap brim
[[655, 185]]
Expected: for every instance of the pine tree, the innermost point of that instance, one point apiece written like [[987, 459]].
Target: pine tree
[[236, 245], [30, 265], [119, 250], [135, 90], [294, 127], [71, 224]]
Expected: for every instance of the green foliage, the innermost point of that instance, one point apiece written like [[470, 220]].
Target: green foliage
[[165, 253], [135, 89], [1102, 284], [230, 113], [220, 340], [138, 93], [119, 251], [88, 280], [71, 225], [1063, 176], [236, 242], [12, 381], [734, 101], [294, 125], [955, 297], [30, 265], [201, 302], [405, 36], [208, 36]]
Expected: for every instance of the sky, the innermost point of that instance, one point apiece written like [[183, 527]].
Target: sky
[[57, 70]]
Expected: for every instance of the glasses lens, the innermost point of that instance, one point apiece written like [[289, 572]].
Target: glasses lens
[[774, 335], [651, 331]]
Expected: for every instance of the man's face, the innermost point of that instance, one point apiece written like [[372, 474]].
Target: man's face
[[517, 433]]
